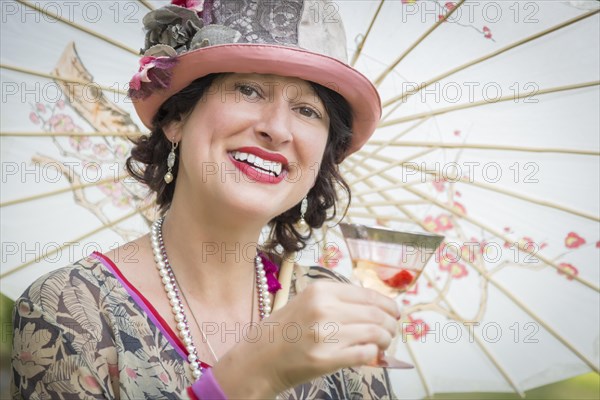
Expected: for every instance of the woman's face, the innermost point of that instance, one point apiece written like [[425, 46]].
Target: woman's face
[[252, 144]]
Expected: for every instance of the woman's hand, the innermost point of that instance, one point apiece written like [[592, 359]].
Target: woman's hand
[[326, 327]]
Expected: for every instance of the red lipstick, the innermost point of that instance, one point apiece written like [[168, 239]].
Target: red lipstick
[[257, 175]]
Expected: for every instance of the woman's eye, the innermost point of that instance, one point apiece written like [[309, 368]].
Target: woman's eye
[[308, 112], [248, 91]]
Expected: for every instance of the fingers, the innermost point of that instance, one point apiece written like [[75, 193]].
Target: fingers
[[359, 295], [343, 304], [358, 355], [359, 334], [361, 345], [368, 314]]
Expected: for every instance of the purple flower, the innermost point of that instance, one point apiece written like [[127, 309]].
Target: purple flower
[[146, 64], [155, 72], [270, 270]]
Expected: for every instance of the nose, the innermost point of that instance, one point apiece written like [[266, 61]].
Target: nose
[[275, 125]]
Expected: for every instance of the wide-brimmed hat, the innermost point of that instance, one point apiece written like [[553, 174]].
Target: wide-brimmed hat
[[296, 38]]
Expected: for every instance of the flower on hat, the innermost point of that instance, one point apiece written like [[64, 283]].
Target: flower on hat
[[171, 31], [155, 72], [146, 63], [172, 26], [196, 5]]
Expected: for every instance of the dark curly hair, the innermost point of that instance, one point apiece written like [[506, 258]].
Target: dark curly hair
[[148, 165]]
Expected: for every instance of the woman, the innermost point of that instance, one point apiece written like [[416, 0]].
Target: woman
[[245, 134]]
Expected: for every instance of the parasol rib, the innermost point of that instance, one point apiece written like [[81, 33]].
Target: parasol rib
[[453, 315], [393, 65], [498, 234], [492, 188], [481, 146], [490, 356], [478, 339], [559, 337], [487, 102], [383, 217], [489, 229], [366, 35], [385, 196], [481, 185], [419, 369], [79, 27], [411, 218], [370, 209], [399, 219], [390, 203], [60, 78], [490, 279], [396, 218], [60, 191], [132, 135], [146, 4], [402, 97], [76, 240], [480, 343], [384, 143], [391, 163]]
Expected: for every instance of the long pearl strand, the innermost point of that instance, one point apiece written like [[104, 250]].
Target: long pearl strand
[[170, 284]]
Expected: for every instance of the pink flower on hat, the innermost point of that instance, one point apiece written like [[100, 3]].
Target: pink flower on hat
[[146, 64], [155, 72], [196, 5]]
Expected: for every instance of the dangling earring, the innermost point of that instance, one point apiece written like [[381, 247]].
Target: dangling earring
[[171, 163], [303, 208]]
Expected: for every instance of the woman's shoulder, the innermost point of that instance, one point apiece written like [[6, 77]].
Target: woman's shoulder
[[85, 277]]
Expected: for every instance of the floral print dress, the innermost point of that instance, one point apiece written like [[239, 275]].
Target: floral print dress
[[83, 332]]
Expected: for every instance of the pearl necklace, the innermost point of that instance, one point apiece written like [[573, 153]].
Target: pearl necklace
[[170, 284]]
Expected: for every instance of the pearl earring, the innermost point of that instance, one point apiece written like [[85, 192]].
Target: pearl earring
[[171, 163]]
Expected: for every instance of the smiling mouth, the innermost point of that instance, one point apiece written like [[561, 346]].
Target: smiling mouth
[[272, 168]]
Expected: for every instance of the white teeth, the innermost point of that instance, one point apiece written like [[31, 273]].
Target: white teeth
[[262, 171], [261, 165], [264, 164]]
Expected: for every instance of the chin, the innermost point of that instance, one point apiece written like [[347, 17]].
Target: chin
[[255, 204]]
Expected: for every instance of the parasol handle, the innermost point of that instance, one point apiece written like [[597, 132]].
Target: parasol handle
[[285, 279]]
